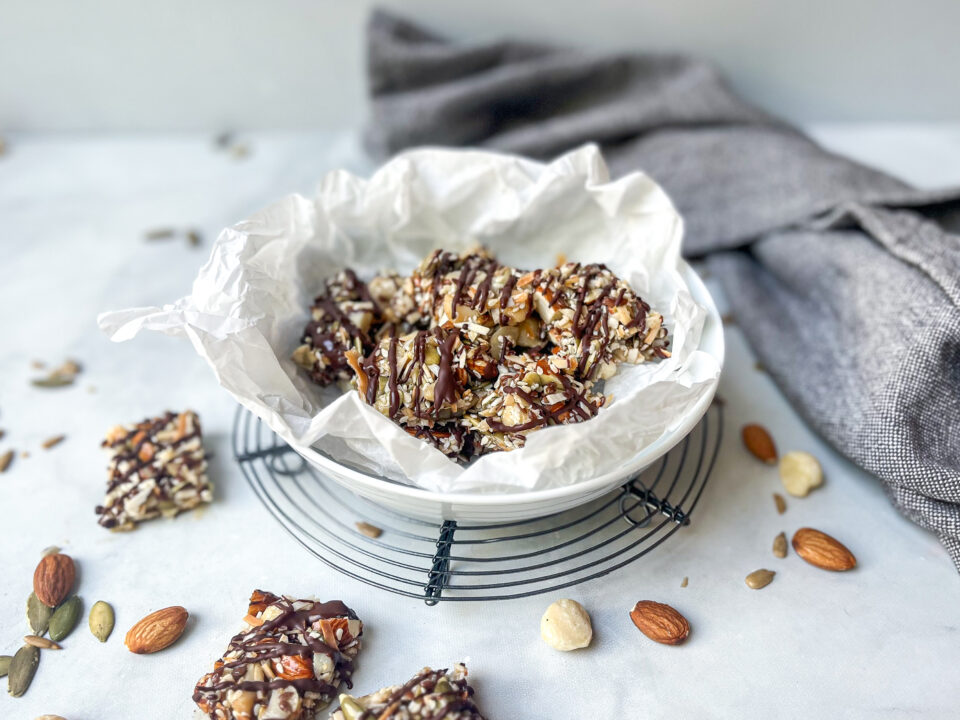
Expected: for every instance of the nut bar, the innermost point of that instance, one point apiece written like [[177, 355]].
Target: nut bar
[[430, 695], [157, 467], [287, 662], [471, 355], [415, 379], [342, 318], [595, 319], [528, 395]]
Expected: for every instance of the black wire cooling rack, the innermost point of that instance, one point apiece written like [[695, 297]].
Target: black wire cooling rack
[[459, 562]]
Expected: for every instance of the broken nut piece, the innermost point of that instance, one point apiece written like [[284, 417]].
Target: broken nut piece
[[800, 472], [566, 626]]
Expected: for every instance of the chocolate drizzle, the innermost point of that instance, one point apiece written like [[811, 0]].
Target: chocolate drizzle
[[265, 642], [455, 700], [131, 452]]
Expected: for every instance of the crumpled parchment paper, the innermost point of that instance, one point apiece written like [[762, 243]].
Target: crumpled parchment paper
[[251, 301]]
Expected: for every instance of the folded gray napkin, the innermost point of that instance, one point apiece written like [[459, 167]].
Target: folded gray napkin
[[845, 280]]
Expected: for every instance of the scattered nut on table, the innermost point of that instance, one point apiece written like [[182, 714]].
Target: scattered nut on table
[[566, 626], [800, 472]]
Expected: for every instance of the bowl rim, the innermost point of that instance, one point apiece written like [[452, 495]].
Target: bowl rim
[[711, 342]]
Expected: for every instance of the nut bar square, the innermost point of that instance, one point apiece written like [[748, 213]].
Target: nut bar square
[[286, 664], [430, 694], [157, 467]]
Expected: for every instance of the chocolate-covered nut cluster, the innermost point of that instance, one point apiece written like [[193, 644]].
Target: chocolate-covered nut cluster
[[287, 663], [157, 467], [429, 695], [472, 355]]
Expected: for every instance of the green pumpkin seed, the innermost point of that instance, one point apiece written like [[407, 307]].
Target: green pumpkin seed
[[5, 664], [22, 669], [101, 620], [64, 618], [38, 615]]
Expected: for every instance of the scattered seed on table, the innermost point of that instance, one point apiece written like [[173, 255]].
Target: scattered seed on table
[[780, 503], [683, 583], [759, 579], [53, 441]]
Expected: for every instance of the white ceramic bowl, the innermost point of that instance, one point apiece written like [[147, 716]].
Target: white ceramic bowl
[[487, 508]]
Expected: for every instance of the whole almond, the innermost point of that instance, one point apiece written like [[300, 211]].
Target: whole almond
[[53, 579], [759, 443], [660, 622], [157, 630], [822, 551]]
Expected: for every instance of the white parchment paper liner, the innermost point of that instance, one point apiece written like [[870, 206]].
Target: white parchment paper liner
[[251, 301]]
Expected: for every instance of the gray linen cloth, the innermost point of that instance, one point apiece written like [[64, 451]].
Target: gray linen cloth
[[845, 280]]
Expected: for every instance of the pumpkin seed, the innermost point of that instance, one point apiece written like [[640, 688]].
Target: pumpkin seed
[[101, 620], [759, 579], [780, 546], [38, 615], [64, 618], [22, 669], [5, 664]]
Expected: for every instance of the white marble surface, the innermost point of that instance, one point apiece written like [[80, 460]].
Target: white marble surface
[[879, 642]]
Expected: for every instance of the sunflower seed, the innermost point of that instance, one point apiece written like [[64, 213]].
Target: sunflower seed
[[5, 664], [53, 381], [160, 234], [52, 441], [101, 620], [38, 614], [2, 433], [371, 531], [780, 503], [780, 546], [5, 460], [64, 618], [41, 642], [22, 669], [759, 579], [194, 239], [683, 583]]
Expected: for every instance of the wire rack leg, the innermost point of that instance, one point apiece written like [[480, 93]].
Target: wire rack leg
[[439, 574]]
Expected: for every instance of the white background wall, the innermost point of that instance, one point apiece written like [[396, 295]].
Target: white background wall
[[250, 64]]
